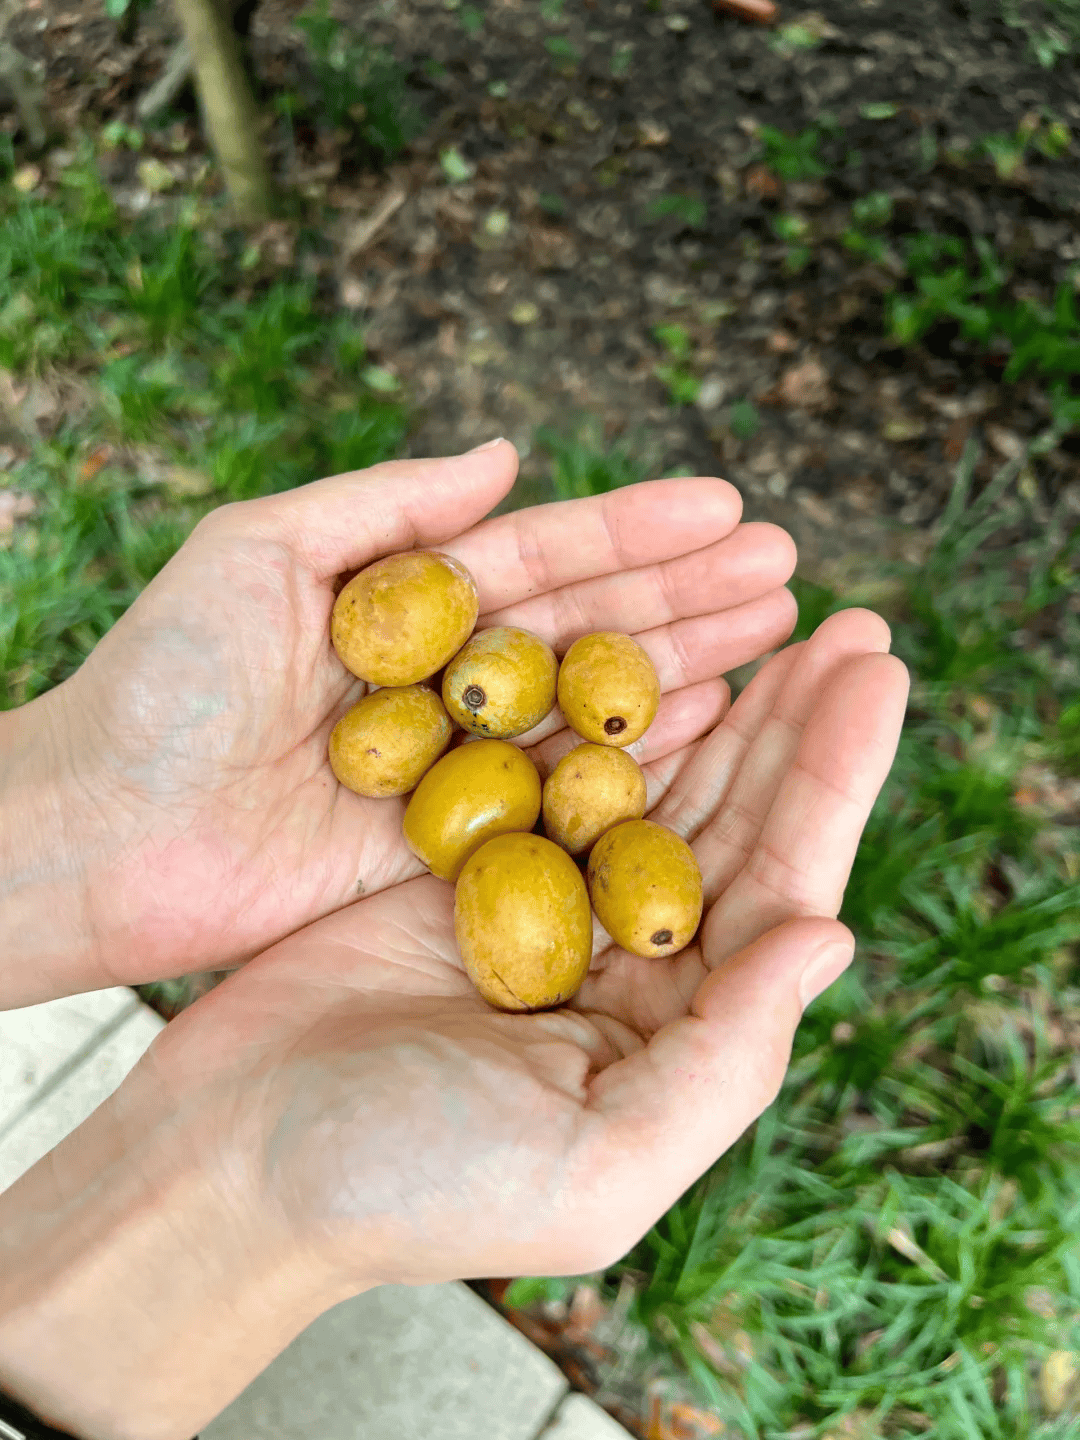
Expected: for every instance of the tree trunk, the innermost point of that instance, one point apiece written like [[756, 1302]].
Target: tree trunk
[[229, 111]]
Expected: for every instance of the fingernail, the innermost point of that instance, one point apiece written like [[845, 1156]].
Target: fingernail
[[823, 968], [487, 445]]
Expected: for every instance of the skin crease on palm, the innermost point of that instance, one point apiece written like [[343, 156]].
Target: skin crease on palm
[[208, 824], [417, 1134]]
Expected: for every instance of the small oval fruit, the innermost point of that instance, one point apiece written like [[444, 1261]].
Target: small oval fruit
[[479, 790], [645, 887], [608, 689], [589, 791], [402, 618], [501, 682], [389, 740], [523, 923]]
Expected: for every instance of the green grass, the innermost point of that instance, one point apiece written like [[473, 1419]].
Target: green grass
[[950, 284], [360, 88], [894, 1241], [235, 383]]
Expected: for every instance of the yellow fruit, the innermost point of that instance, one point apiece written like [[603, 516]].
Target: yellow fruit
[[402, 618], [608, 690], [589, 791], [389, 739], [645, 887], [479, 790], [523, 923], [501, 683]]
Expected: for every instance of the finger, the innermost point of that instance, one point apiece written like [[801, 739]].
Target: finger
[[697, 793], [682, 716], [724, 845], [702, 648], [666, 1113], [704, 645], [346, 521], [751, 561], [532, 551], [802, 857]]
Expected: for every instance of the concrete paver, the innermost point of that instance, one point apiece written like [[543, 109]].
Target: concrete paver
[[579, 1418], [425, 1361], [401, 1361], [38, 1041], [59, 1108]]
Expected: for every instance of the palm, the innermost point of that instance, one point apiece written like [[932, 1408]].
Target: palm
[[204, 715], [394, 1108]]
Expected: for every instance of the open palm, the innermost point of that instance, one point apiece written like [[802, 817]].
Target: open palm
[[411, 1133], [197, 730]]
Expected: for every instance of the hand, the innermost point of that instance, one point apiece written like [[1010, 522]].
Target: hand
[[360, 1115], [170, 807], [395, 1108]]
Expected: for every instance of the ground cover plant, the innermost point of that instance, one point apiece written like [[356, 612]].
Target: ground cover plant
[[862, 310]]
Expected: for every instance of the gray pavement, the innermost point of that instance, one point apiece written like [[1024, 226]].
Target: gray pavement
[[398, 1363]]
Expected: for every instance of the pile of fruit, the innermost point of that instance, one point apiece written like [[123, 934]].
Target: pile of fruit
[[522, 908]]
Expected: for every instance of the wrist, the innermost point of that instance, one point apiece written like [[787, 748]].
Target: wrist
[[47, 944], [144, 1284]]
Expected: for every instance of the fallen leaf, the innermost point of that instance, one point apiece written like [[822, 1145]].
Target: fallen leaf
[[1008, 444], [712, 392], [652, 133], [14, 505], [956, 436], [758, 12], [586, 1312], [761, 183], [155, 176], [902, 428], [98, 458], [525, 313], [781, 343], [353, 293], [551, 248], [364, 230], [26, 178], [904, 1243], [806, 386], [816, 25], [694, 1422], [183, 481], [1056, 1379]]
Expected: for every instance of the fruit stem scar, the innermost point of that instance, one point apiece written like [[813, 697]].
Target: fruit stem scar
[[474, 698], [615, 725], [662, 937]]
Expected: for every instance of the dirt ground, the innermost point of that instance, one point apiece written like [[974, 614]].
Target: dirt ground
[[529, 294]]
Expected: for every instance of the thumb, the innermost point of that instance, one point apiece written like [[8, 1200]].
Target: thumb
[[346, 521], [674, 1107]]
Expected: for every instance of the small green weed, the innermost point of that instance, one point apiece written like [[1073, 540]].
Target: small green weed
[[744, 420], [562, 52], [690, 209], [677, 376], [947, 286], [792, 157], [236, 397], [359, 87], [582, 464], [794, 230], [1052, 26]]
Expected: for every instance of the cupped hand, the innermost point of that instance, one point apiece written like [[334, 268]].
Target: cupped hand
[[200, 819], [364, 1091]]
